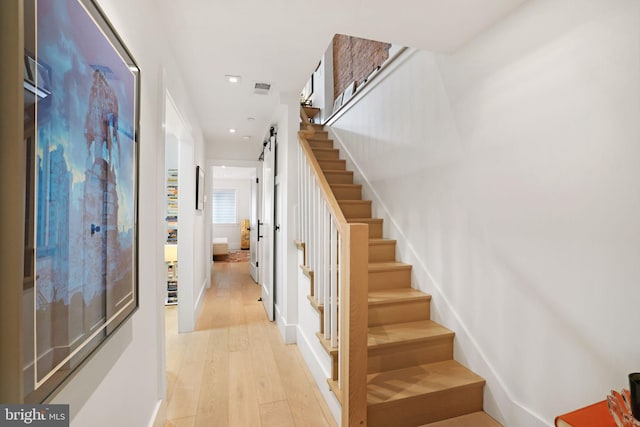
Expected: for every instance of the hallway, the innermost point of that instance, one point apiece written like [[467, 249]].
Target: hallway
[[235, 370]]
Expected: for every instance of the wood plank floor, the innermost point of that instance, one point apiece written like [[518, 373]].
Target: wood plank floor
[[235, 370]]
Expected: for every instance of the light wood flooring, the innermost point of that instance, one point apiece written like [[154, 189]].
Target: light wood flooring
[[235, 370]]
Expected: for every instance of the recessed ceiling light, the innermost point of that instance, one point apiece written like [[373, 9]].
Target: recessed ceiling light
[[232, 130], [233, 79], [246, 137], [251, 118]]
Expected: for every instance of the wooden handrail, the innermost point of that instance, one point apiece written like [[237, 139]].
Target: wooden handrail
[[325, 188], [353, 295]]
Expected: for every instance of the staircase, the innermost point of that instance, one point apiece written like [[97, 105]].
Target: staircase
[[412, 379]]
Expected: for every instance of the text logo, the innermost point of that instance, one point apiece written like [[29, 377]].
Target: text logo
[[34, 415]]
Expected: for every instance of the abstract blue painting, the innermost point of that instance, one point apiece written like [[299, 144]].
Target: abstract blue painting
[[85, 162]]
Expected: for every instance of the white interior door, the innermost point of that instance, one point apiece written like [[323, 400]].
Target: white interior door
[[253, 232], [265, 230]]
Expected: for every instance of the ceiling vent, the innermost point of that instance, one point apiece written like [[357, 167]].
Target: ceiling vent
[[261, 88]]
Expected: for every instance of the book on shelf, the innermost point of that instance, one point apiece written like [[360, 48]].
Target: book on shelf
[[594, 415]]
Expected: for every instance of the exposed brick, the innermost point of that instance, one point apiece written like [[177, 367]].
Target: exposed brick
[[354, 58]]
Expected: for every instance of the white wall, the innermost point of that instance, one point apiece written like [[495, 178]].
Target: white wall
[[509, 172], [317, 360], [287, 121], [243, 209], [323, 86], [235, 150], [102, 393]]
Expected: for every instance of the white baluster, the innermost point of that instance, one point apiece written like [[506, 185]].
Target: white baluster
[[300, 210], [335, 254], [322, 241], [327, 268]]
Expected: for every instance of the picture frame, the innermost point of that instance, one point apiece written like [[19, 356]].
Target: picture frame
[[348, 92], [307, 91], [337, 103], [81, 206], [199, 188]]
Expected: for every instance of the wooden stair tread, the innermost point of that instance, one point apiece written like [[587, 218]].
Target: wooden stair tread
[[365, 220], [388, 266], [389, 386], [395, 334], [323, 149], [338, 172], [381, 241], [333, 385], [396, 295], [354, 202], [346, 185], [319, 136], [326, 344], [403, 333], [476, 419], [387, 296], [314, 303], [315, 125]]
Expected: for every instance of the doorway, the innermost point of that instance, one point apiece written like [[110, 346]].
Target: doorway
[[179, 184], [232, 195]]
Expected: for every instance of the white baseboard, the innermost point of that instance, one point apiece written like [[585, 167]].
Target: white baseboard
[[200, 299], [157, 416], [287, 330], [320, 375]]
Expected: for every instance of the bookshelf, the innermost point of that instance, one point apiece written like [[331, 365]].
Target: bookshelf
[[171, 246], [172, 206], [170, 253]]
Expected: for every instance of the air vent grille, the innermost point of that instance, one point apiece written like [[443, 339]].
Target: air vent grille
[[262, 88]]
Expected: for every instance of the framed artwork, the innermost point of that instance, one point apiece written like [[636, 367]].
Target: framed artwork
[[307, 91], [199, 188], [337, 103], [81, 239], [348, 92]]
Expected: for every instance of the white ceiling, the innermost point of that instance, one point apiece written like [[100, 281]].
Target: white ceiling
[[281, 41]]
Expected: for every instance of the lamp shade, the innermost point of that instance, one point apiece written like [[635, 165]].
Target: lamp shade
[[170, 253]]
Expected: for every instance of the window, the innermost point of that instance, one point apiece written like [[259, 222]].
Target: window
[[224, 207]]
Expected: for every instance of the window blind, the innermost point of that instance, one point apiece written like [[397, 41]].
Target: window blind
[[224, 207]]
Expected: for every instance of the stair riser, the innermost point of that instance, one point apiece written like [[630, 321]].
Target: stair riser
[[326, 154], [410, 354], [317, 143], [392, 279], [356, 210], [348, 193], [427, 408], [404, 355], [339, 178], [335, 165], [410, 311], [375, 231], [319, 133], [382, 253], [317, 126]]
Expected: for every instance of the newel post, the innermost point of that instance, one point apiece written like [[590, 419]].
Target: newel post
[[354, 313]]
